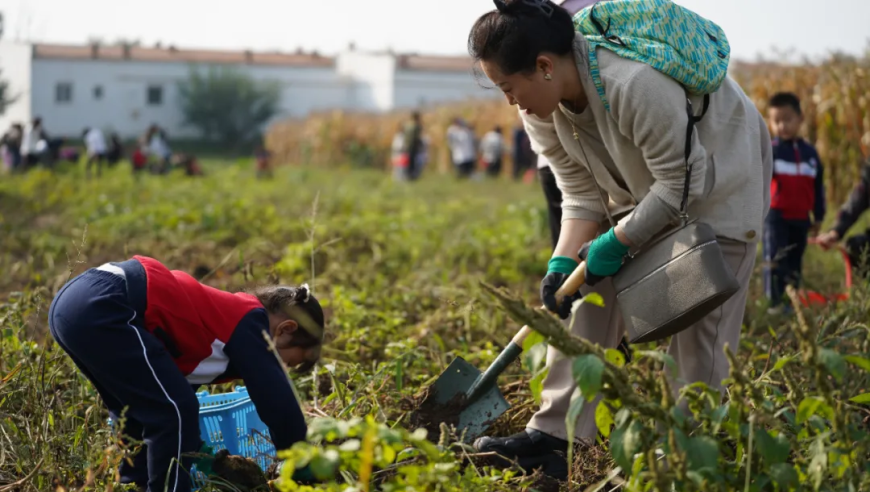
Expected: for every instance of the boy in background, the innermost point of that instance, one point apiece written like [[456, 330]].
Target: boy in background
[[797, 196]]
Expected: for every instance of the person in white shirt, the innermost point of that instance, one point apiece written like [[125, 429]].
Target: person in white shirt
[[158, 147], [460, 140], [492, 149], [95, 143], [31, 150]]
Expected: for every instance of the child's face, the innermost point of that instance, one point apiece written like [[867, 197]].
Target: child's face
[[785, 122], [282, 330]]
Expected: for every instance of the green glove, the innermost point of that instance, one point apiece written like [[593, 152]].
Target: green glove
[[561, 264], [203, 464], [603, 256]]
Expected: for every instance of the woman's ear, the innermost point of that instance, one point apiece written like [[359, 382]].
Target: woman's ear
[[544, 65]]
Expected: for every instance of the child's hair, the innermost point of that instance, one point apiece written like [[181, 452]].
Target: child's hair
[[298, 304], [786, 100]]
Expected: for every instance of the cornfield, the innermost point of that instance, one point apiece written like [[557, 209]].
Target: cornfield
[[835, 96]]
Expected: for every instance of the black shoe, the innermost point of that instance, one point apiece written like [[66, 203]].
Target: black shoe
[[532, 450]]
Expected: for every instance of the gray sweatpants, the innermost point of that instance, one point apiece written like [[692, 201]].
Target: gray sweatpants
[[698, 351]]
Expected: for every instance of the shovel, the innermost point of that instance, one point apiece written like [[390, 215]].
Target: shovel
[[483, 403]]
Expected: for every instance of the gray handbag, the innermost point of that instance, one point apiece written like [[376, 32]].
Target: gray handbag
[[678, 277]]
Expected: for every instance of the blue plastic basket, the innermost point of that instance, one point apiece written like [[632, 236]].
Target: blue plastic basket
[[230, 421]]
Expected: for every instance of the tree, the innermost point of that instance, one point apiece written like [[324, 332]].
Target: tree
[[227, 105], [6, 98]]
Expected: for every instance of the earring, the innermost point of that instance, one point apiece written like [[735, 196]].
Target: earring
[[548, 76]]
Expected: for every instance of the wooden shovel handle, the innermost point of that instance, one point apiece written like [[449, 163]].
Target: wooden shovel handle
[[571, 285]]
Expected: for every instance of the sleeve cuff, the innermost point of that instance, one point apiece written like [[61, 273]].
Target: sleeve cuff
[[582, 214], [650, 217]]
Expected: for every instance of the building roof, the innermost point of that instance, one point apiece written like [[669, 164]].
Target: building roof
[[435, 63], [172, 54]]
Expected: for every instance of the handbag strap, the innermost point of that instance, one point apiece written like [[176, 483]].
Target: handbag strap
[[690, 128]]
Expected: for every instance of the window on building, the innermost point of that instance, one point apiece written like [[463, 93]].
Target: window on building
[[98, 92], [155, 95], [63, 92]]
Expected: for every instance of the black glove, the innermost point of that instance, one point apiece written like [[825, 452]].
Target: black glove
[[551, 283]]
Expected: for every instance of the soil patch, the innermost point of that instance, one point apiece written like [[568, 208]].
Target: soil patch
[[429, 414], [242, 472]]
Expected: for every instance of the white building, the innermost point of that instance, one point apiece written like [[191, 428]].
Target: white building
[[125, 89]]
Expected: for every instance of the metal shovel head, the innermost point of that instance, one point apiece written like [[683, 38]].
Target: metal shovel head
[[474, 419]]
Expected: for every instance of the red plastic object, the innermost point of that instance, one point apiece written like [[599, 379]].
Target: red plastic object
[[811, 298]]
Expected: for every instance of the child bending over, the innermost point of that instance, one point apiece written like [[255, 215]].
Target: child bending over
[[148, 337]]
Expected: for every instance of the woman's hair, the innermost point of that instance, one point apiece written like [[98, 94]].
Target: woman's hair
[[298, 304], [518, 31]]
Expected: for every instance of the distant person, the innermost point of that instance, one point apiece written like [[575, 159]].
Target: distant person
[[523, 155], [188, 163], [263, 160], [159, 150], [12, 146], [492, 151], [95, 144], [460, 140], [412, 144], [857, 246], [147, 337], [116, 150], [797, 199], [398, 157], [34, 143], [139, 159]]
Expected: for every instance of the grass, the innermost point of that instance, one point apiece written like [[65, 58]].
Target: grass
[[398, 268]]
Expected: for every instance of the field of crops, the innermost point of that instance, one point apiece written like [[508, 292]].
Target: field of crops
[[835, 96], [399, 270]]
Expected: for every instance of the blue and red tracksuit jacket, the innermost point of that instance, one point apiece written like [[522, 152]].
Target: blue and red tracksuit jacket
[[797, 189], [214, 337]]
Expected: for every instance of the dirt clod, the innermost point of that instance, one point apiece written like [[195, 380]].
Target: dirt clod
[[242, 472]]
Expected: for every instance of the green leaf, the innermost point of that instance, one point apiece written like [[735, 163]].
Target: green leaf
[[351, 445], [533, 339], [594, 298], [702, 452], [574, 410], [625, 442], [537, 384], [819, 463], [784, 475], [862, 398], [325, 465], [834, 363], [603, 419], [662, 357], [807, 408], [535, 357], [774, 450], [615, 357], [858, 361], [781, 362], [588, 370]]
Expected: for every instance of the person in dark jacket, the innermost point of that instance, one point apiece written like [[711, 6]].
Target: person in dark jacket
[[524, 157], [413, 145], [797, 198], [858, 246], [148, 337]]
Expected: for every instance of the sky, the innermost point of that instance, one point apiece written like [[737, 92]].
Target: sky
[[772, 28]]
